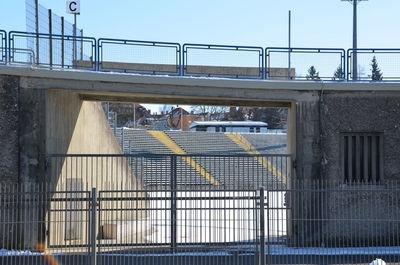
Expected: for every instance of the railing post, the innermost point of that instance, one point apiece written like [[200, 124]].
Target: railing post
[[93, 227], [173, 202], [82, 45], [50, 39], [123, 140], [37, 31], [262, 227], [62, 42]]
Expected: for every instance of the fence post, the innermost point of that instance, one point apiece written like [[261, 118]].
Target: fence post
[[62, 42], [37, 30], [82, 45], [262, 227], [123, 141], [93, 227], [50, 39], [173, 201]]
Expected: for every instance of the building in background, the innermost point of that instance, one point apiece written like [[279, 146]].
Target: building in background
[[229, 126]]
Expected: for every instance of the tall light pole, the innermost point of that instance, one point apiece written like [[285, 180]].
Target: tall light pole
[[289, 42], [354, 67]]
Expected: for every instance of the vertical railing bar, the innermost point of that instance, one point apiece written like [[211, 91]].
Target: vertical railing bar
[[62, 42], [93, 228], [262, 228], [81, 44], [173, 202]]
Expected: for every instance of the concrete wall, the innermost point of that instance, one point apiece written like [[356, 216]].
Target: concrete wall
[[361, 112], [318, 113], [9, 129], [194, 70], [75, 127], [36, 122]]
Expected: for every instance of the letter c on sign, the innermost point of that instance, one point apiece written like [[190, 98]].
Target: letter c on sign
[[72, 6]]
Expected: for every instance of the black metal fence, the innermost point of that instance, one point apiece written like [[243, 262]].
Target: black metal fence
[[171, 171], [313, 222]]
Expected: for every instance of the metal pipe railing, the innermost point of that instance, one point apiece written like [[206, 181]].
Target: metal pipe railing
[[206, 60]]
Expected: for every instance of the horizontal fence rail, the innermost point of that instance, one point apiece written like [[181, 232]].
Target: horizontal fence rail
[[312, 222], [131, 56], [326, 62], [52, 51], [58, 51], [223, 61], [3, 47], [388, 62]]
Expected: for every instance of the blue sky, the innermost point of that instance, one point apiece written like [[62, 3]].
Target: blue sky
[[316, 23]]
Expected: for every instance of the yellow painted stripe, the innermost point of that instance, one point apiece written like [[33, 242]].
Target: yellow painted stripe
[[250, 149], [168, 142]]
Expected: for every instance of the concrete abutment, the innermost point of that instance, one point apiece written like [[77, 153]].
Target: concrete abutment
[[44, 112]]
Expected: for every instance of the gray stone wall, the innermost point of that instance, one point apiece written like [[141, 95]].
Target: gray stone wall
[[336, 213], [360, 112], [9, 128], [32, 134]]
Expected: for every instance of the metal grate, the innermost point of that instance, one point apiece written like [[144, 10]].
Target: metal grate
[[362, 157]]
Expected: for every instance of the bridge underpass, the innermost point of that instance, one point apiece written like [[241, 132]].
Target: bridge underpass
[[318, 112]]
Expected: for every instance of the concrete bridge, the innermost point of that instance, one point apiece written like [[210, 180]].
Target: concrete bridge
[[333, 126], [40, 110]]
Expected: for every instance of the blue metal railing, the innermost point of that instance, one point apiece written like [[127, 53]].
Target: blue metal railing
[[3, 47], [223, 61], [133, 56], [300, 61], [208, 60], [52, 50], [389, 63]]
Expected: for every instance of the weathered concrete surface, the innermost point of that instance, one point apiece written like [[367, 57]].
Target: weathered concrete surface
[[9, 129], [192, 70], [319, 112], [80, 127], [360, 112], [374, 213], [34, 123], [32, 134]]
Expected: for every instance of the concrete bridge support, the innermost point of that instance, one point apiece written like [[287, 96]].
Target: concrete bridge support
[[33, 123]]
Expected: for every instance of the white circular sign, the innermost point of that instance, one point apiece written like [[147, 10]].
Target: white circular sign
[[74, 7]]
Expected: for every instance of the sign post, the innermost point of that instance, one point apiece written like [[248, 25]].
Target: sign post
[[74, 7]]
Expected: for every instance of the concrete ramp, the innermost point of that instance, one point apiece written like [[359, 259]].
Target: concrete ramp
[[73, 128]]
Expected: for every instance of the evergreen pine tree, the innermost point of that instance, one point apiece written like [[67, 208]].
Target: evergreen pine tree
[[376, 72], [312, 74], [339, 74]]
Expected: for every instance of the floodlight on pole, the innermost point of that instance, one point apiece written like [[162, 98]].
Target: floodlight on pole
[[354, 68]]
